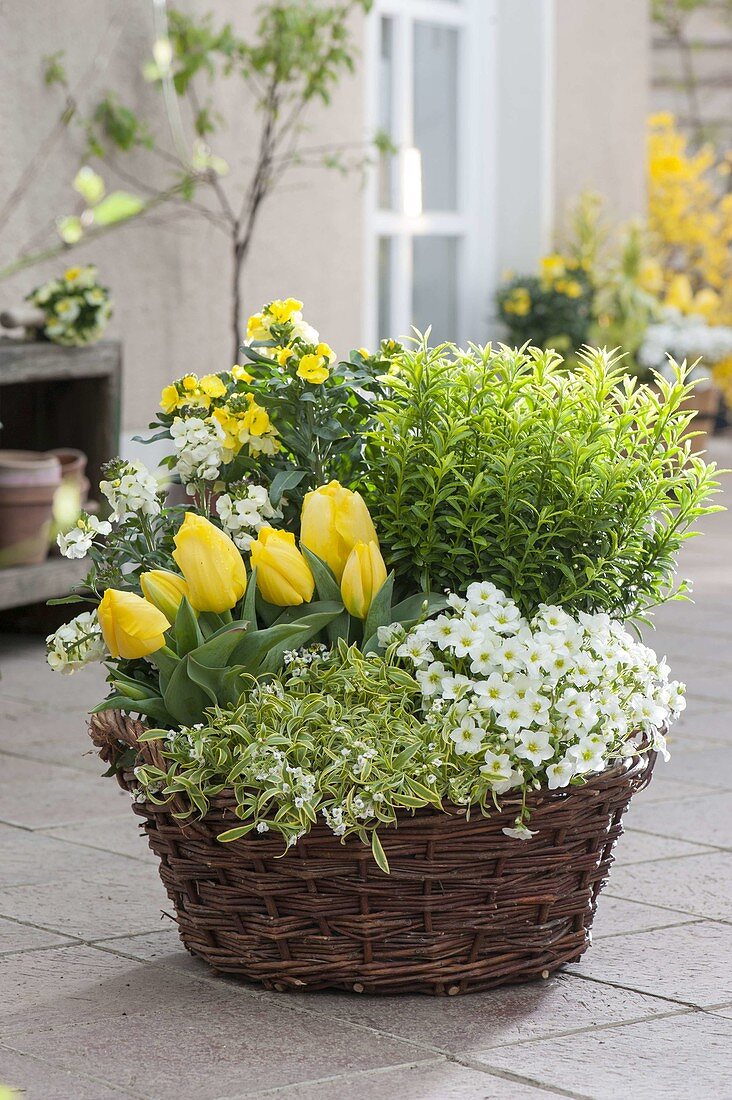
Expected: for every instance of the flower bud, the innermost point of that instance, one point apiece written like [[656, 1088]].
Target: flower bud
[[333, 520], [211, 564], [363, 576], [164, 590], [283, 575], [131, 626]]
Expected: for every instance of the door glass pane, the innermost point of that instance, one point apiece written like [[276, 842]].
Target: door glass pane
[[434, 286], [436, 113], [387, 162], [383, 288]]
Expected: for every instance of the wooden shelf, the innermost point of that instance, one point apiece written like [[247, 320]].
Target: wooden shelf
[[28, 584]]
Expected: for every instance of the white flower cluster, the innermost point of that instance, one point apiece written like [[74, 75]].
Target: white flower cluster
[[131, 490], [244, 510], [684, 337], [77, 542], [76, 644], [200, 447], [542, 701]]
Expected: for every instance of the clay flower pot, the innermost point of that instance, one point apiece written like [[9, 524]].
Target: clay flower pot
[[73, 469], [28, 483]]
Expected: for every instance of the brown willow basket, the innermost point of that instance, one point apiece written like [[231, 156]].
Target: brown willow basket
[[464, 908]]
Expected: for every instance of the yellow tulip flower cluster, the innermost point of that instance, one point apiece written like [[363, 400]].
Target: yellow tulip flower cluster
[[690, 217], [335, 525]]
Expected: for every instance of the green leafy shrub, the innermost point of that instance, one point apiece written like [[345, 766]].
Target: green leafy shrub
[[573, 488]]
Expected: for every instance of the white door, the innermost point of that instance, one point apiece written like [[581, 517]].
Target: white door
[[429, 207]]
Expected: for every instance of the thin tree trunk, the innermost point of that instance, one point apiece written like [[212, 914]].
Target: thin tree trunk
[[237, 260]]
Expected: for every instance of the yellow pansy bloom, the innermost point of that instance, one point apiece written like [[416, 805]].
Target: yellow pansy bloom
[[518, 302], [241, 374], [326, 351], [553, 266], [312, 369], [169, 399], [282, 311], [212, 386], [257, 328]]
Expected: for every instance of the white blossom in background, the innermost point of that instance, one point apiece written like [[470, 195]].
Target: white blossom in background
[[131, 489], [682, 337], [77, 542], [541, 701], [76, 644], [244, 510], [200, 448]]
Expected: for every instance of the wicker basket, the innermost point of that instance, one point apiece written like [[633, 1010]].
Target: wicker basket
[[465, 906]]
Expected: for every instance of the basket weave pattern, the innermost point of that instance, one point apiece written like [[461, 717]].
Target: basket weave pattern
[[465, 907]]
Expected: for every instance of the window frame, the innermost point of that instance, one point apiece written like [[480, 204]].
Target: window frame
[[473, 221]]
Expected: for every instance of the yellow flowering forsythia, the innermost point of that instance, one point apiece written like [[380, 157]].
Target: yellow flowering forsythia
[[690, 219]]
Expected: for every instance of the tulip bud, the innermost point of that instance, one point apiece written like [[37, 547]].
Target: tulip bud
[[131, 626], [333, 520], [283, 575], [363, 576], [211, 564], [164, 590]]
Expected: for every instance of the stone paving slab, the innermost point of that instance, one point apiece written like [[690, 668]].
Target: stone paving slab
[[36, 795], [674, 1058], [699, 885], [691, 963], [41, 1081], [706, 821]]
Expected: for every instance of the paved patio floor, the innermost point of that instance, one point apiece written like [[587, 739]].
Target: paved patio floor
[[98, 999]]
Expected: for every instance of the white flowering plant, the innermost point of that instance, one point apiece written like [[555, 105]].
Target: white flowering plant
[[687, 337], [76, 305]]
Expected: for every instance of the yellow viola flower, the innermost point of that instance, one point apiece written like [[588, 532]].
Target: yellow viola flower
[[258, 327], [518, 302], [241, 374], [363, 576], [283, 575], [707, 302], [650, 276], [211, 564], [131, 626], [169, 399], [212, 386], [679, 294], [282, 355], [282, 311], [327, 352], [553, 267], [333, 520], [164, 590], [312, 369]]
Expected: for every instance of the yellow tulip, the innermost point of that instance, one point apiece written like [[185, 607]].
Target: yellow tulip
[[283, 575], [131, 626], [210, 563], [333, 520], [164, 590], [363, 576]]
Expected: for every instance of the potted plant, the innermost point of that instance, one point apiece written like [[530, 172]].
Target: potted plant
[[372, 691]]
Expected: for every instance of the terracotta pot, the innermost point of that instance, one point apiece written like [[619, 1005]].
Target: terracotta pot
[[28, 483], [73, 469]]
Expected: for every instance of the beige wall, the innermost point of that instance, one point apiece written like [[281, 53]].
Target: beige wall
[[601, 101], [170, 276]]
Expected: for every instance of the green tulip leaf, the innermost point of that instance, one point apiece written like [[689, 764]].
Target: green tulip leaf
[[307, 628], [380, 613], [217, 650], [252, 649], [325, 582], [208, 679], [412, 609], [305, 610], [153, 707], [166, 662], [248, 609], [184, 698], [186, 631]]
